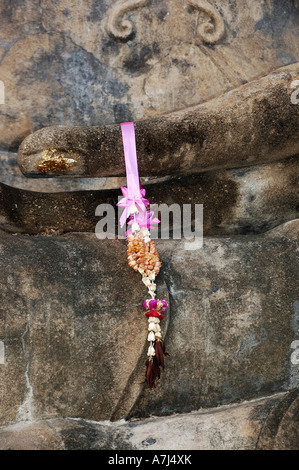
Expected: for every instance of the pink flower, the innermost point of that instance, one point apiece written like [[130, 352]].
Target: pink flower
[[128, 200]]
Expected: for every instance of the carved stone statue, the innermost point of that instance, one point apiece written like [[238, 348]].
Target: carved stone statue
[[212, 89]]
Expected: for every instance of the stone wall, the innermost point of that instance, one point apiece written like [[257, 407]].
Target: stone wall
[[73, 337], [209, 86], [65, 62]]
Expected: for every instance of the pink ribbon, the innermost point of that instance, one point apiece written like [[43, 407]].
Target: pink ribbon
[[143, 219], [133, 194], [127, 201]]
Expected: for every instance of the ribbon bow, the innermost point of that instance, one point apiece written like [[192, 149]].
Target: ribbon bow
[[129, 201], [143, 219]]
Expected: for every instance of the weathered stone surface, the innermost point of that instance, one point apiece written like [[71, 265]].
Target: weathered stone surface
[[266, 196], [233, 312], [281, 430], [74, 333], [256, 123], [238, 427], [30, 436], [63, 63], [66, 345], [11, 175], [237, 201]]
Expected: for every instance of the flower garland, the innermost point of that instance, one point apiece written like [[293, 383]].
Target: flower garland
[[142, 253]]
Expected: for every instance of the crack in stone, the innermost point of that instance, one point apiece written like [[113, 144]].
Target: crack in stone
[[25, 409], [57, 434]]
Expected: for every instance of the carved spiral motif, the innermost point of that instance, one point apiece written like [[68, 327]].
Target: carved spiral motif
[[122, 29], [207, 32]]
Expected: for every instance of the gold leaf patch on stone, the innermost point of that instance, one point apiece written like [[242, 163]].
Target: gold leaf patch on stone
[[54, 160]]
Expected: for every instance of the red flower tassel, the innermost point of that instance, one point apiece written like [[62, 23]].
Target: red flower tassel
[[156, 368], [159, 354], [154, 363], [150, 373]]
